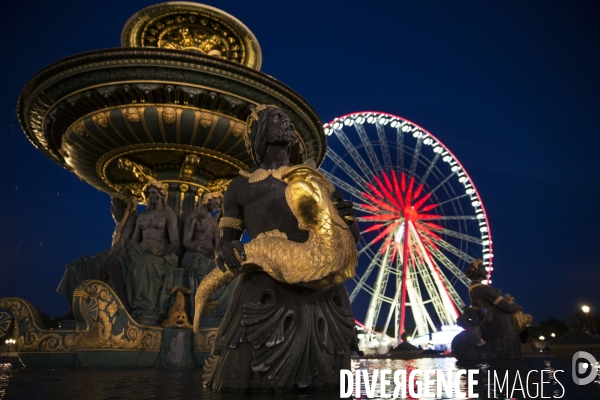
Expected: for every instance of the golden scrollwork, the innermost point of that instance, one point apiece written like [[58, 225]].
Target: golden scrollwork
[[219, 185], [32, 335], [142, 173], [103, 323], [204, 339]]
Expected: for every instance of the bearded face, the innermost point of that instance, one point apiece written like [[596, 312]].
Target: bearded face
[[279, 128]]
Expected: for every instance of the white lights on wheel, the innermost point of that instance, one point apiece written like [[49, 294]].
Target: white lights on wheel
[[377, 165]]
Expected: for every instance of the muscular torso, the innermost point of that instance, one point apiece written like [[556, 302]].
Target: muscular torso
[[263, 207], [152, 224], [201, 227]]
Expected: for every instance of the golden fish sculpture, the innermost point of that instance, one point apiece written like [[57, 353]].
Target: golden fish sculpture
[[329, 256]]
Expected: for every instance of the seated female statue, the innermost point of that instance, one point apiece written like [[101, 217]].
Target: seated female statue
[[150, 254]]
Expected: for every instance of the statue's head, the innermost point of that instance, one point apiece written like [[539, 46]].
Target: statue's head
[[476, 271], [155, 193], [267, 125], [212, 200]]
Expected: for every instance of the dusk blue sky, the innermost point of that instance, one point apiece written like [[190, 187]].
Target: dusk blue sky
[[512, 88]]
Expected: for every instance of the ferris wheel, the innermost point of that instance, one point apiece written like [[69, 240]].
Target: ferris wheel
[[421, 218]]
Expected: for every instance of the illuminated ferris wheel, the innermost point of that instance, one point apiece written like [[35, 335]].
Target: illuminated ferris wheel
[[421, 218]]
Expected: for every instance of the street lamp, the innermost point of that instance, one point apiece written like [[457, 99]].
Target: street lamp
[[585, 309], [9, 342]]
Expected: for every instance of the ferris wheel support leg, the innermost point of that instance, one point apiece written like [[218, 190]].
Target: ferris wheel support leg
[[404, 275]]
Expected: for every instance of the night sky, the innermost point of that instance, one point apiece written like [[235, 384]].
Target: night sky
[[512, 88]]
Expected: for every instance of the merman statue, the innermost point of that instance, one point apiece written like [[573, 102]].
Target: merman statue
[[289, 323]]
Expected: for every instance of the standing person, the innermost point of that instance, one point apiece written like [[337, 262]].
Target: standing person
[[275, 335]]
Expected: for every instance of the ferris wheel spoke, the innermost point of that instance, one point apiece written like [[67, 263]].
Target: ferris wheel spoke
[[380, 290], [442, 259], [439, 185], [400, 146], [446, 310], [453, 218], [362, 165], [385, 151], [416, 155], [364, 138], [363, 279], [344, 166], [341, 184], [453, 199], [448, 247], [432, 291], [460, 305], [430, 168], [458, 235]]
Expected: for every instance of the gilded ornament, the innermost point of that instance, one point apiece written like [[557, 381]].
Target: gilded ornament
[[218, 184], [238, 130], [79, 128], [100, 119], [33, 337], [103, 323], [206, 120], [228, 222], [177, 317], [132, 114], [329, 255], [189, 166], [169, 115]]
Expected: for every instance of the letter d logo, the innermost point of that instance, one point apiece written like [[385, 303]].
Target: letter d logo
[[580, 368]]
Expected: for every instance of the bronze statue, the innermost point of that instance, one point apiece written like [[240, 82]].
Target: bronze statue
[[96, 266], [200, 237], [138, 272], [493, 335], [277, 335]]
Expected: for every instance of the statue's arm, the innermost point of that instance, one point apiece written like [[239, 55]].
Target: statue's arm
[[229, 235], [496, 298], [346, 210], [129, 228], [137, 232], [188, 233], [172, 232]]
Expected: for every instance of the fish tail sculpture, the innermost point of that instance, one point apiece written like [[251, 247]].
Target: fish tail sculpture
[[329, 256]]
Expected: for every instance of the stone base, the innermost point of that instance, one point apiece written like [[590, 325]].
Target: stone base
[[176, 349]]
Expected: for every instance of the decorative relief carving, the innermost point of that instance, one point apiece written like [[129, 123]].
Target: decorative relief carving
[[103, 323], [132, 114], [204, 339], [100, 119], [169, 115], [32, 336]]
